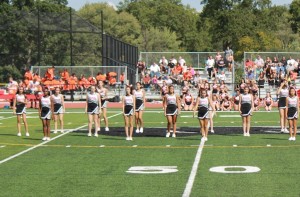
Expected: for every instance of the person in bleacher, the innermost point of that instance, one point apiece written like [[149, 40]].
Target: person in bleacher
[[154, 70], [19, 109], [163, 62], [58, 106]]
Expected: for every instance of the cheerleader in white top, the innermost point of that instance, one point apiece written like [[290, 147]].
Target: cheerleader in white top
[[268, 101], [103, 96], [203, 105], [292, 102], [140, 101], [58, 109], [282, 94], [19, 108], [256, 101], [171, 104], [128, 106], [246, 107], [188, 101], [45, 113], [93, 109]]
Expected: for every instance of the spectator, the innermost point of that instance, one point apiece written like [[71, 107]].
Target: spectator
[[141, 66], [210, 65], [100, 77], [221, 65], [177, 70], [218, 57], [168, 80], [221, 77], [154, 70], [291, 65], [147, 82], [181, 61], [163, 62], [122, 78], [228, 52], [28, 75]]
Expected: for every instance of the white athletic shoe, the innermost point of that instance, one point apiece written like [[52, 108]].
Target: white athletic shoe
[[96, 134], [137, 131], [141, 130], [127, 138], [290, 138], [294, 138], [106, 129], [130, 139], [19, 134], [248, 134], [89, 134], [44, 138], [206, 139], [282, 130], [203, 139], [55, 131], [212, 131], [174, 135], [285, 130], [48, 138], [245, 134], [62, 131], [27, 134], [168, 134]]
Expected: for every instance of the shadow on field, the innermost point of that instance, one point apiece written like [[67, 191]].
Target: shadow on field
[[37, 139], [273, 138], [8, 134]]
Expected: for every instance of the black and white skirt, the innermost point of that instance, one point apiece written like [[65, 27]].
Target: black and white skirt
[[128, 110], [282, 103], [246, 109], [46, 113], [93, 108], [20, 109], [188, 103], [292, 113], [268, 104], [171, 110], [215, 91], [58, 108], [203, 113], [139, 105], [104, 103]]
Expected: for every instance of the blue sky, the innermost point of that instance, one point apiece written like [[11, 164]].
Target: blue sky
[[77, 4]]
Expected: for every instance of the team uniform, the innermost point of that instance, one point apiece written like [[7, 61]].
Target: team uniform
[[93, 103], [103, 99], [256, 101], [188, 99], [46, 108], [139, 100], [226, 104], [57, 102], [20, 104], [128, 108], [246, 104], [268, 101], [215, 89], [171, 105], [164, 90], [203, 108], [292, 108], [283, 94], [236, 100]]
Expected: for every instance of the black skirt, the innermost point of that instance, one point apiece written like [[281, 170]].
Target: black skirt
[[242, 91], [246, 109], [268, 104], [292, 113], [46, 113], [282, 103], [236, 102], [93, 108], [215, 91], [128, 110], [104, 103], [203, 113], [171, 110], [58, 109], [20, 109], [188, 103], [139, 105]]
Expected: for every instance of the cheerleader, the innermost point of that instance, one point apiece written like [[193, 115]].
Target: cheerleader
[[292, 113], [58, 109], [268, 101], [236, 100], [188, 101], [128, 111], [245, 107], [140, 101], [283, 93], [93, 108], [19, 109], [164, 89], [172, 108], [103, 97], [242, 86], [226, 104], [256, 102], [216, 102], [45, 113], [203, 103], [215, 87]]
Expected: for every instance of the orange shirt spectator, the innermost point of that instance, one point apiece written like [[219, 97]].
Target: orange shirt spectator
[[28, 75], [100, 77], [72, 82], [36, 77], [122, 78], [178, 68], [65, 75], [50, 73], [187, 76], [112, 81]]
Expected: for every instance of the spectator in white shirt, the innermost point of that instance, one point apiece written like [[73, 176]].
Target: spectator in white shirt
[[291, 64], [181, 61], [163, 62], [259, 62], [222, 77], [210, 65], [154, 70]]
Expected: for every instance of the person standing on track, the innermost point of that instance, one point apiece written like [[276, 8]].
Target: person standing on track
[[246, 106], [140, 101], [128, 111], [292, 103], [93, 108], [19, 109], [103, 96], [203, 104], [45, 113], [171, 103], [58, 109], [283, 93]]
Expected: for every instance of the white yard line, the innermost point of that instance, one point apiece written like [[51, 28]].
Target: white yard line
[[190, 183], [43, 143]]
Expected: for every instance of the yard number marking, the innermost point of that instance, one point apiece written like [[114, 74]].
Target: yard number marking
[[224, 169], [152, 169]]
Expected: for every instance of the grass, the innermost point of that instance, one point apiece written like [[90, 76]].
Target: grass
[[75, 165]]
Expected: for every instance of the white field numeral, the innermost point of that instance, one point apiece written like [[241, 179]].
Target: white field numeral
[[152, 169]]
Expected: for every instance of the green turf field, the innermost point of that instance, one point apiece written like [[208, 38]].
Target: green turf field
[[73, 164]]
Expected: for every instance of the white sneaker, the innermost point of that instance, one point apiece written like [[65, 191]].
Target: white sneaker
[[55, 131], [205, 139], [168, 134], [282, 130], [62, 131], [96, 135], [106, 129], [48, 139], [285, 130], [19, 134], [44, 138], [141, 130], [245, 134], [290, 138], [248, 134], [212, 131], [89, 134], [137, 131], [293, 138], [130, 139], [174, 135], [27, 134], [99, 129], [127, 138]]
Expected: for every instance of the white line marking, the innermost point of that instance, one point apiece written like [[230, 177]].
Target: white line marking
[[268, 145], [230, 116], [189, 184], [234, 145], [2, 146], [168, 145], [102, 146], [68, 146], [7, 118], [134, 146]]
